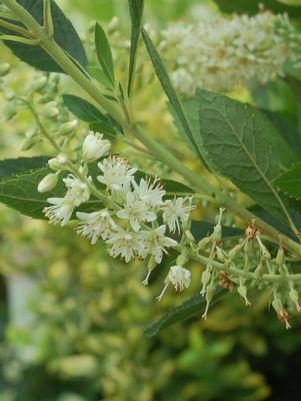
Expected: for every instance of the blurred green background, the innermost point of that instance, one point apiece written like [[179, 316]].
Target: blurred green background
[[72, 320]]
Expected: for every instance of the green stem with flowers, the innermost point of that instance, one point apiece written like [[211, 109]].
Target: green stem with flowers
[[93, 89]]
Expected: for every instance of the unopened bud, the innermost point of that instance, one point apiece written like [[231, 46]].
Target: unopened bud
[[9, 111], [113, 24], [51, 110], [203, 243], [189, 236], [150, 267], [30, 143], [31, 131], [39, 83], [221, 254], [48, 183], [182, 259], [58, 163], [68, 127], [206, 276], [233, 253], [8, 93], [4, 69]]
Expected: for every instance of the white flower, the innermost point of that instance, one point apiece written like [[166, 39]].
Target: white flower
[[47, 183], [116, 174], [94, 147], [155, 243], [174, 211], [124, 243], [136, 211], [219, 54], [78, 191], [95, 225], [149, 192], [61, 210], [179, 277]]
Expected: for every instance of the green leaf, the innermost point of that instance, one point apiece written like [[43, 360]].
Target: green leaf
[[235, 138], [108, 131], [170, 92], [290, 182], [289, 133], [252, 7], [100, 76], [103, 51], [12, 167], [189, 309], [136, 11], [82, 109], [64, 34]]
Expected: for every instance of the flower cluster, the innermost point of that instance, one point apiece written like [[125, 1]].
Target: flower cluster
[[221, 53], [135, 221]]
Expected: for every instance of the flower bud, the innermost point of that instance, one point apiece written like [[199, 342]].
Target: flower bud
[[150, 267], [58, 163], [51, 110], [39, 83], [233, 253], [203, 243], [48, 183], [189, 236], [31, 131], [8, 93], [68, 127], [182, 259], [29, 143], [4, 69], [94, 147], [9, 111]]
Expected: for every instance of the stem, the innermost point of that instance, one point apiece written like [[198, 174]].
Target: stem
[[160, 152], [15, 28], [275, 278]]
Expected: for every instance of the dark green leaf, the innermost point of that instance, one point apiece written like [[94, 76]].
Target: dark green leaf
[[82, 109], [136, 12], [253, 6], [290, 182], [170, 92], [12, 167], [289, 133], [189, 309], [105, 128], [236, 141], [64, 34], [103, 51]]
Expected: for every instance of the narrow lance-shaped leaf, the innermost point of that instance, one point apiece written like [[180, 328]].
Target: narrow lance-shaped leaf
[[64, 34], [136, 11], [235, 138], [83, 109], [170, 92], [189, 309], [103, 51]]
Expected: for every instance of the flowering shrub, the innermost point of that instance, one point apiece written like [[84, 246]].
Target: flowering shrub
[[138, 215]]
